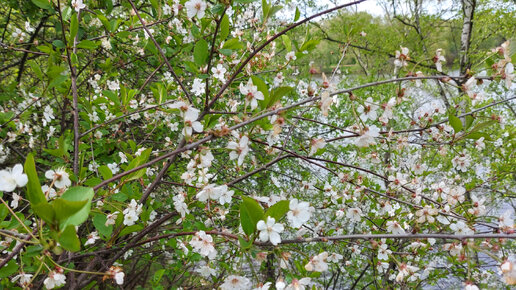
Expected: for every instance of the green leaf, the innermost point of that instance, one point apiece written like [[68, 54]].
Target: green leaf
[[455, 122], [483, 125], [57, 81], [34, 193], [277, 94], [69, 240], [135, 163], [278, 210], [250, 213], [105, 172], [298, 14], [158, 275], [3, 212], [226, 52], [244, 244], [45, 4], [112, 96], [87, 44], [130, 229], [58, 43], [224, 27], [265, 9], [78, 193], [286, 42], [217, 9], [65, 208], [104, 21], [273, 10], [201, 52], [469, 121], [36, 69], [233, 43], [478, 135], [45, 211], [74, 28], [309, 45], [9, 269], [99, 221]]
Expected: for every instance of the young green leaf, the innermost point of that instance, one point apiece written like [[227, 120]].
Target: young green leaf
[[45, 211], [99, 221], [201, 52], [224, 27], [278, 210], [45, 4], [105, 172], [250, 213], [286, 42], [455, 122], [78, 194], [69, 240], [233, 43], [74, 28], [297, 15], [64, 208], [34, 193]]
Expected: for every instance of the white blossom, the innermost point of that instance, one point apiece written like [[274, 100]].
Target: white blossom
[[60, 177], [318, 263], [195, 8], [270, 231], [54, 279], [12, 177], [299, 213]]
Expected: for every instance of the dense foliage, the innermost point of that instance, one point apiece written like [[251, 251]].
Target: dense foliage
[[256, 145]]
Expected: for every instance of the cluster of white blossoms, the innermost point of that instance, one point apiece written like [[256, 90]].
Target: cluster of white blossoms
[[55, 279], [462, 162], [504, 67], [409, 271], [216, 192], [198, 87], [132, 213], [428, 111], [204, 245], [367, 135]]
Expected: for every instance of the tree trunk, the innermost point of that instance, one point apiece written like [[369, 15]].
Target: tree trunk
[[468, 10]]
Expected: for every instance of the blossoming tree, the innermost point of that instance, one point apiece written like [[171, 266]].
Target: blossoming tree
[[170, 144]]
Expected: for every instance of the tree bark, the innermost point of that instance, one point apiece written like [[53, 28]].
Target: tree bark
[[468, 10]]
